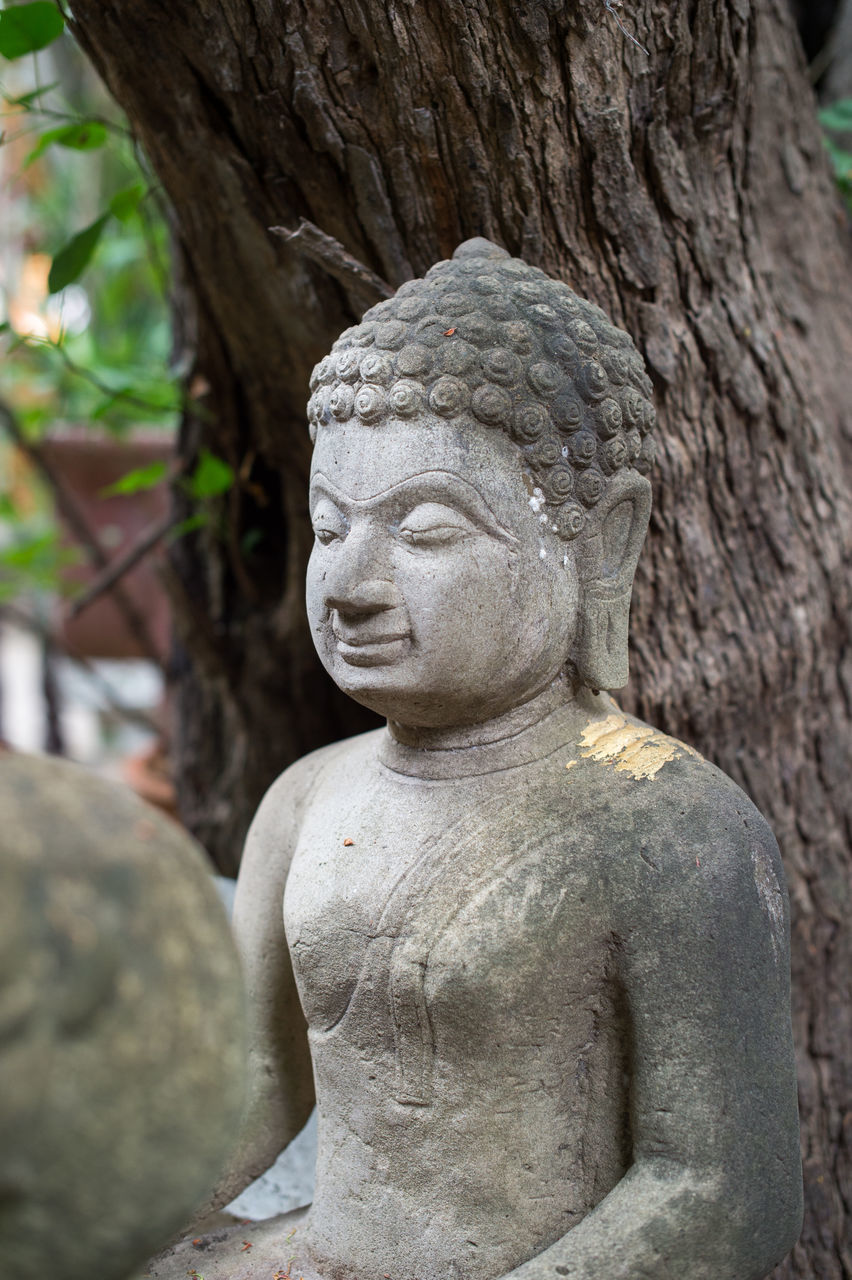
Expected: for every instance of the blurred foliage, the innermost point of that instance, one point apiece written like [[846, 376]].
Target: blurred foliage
[[29, 27], [86, 288], [85, 333], [33, 561], [836, 120]]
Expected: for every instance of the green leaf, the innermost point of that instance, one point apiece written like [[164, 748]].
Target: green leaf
[[72, 260], [102, 409], [29, 552], [838, 116], [25, 28], [842, 161], [125, 203], [138, 480], [33, 562], [152, 398], [211, 477], [27, 99], [198, 521], [250, 539], [83, 135]]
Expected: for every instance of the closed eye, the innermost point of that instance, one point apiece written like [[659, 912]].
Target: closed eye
[[432, 524], [439, 535], [325, 536], [328, 522]]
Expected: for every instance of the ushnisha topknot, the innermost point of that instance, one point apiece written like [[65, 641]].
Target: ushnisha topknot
[[489, 337]]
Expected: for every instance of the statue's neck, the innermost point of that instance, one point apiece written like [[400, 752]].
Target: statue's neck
[[524, 733]]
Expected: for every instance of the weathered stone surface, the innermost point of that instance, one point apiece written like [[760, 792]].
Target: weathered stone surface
[[237, 1252], [541, 948], [121, 1025]]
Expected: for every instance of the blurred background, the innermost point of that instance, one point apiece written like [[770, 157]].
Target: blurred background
[[89, 407]]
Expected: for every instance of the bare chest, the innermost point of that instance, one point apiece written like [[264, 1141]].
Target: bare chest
[[456, 917]]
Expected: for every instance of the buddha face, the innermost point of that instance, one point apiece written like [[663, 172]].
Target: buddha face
[[438, 594]]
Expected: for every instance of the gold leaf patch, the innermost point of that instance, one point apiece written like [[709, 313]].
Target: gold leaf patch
[[631, 748]]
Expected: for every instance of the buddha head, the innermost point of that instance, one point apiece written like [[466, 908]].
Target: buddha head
[[478, 494]]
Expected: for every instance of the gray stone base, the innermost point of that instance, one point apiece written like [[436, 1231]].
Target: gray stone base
[[221, 1253]]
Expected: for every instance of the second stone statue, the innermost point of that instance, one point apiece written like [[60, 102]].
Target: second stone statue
[[541, 948]]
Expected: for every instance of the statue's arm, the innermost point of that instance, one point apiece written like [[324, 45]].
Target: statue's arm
[[280, 1091], [714, 1191]]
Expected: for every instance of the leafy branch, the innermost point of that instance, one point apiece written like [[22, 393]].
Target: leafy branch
[[132, 217], [128, 395], [129, 228]]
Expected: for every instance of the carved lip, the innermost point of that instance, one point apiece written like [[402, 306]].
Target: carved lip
[[368, 631], [373, 639], [373, 651]]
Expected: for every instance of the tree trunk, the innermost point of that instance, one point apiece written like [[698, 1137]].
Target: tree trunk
[[685, 191], [838, 76]]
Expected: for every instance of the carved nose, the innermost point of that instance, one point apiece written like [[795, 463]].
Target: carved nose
[[373, 595]]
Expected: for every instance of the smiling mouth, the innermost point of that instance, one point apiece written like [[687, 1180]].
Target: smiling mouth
[[371, 651]]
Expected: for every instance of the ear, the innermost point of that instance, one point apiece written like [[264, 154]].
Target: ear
[[606, 563]]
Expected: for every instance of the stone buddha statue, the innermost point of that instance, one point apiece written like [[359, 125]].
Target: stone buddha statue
[[541, 948]]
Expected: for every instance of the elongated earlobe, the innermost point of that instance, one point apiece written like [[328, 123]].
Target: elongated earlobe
[[602, 659], [606, 564]]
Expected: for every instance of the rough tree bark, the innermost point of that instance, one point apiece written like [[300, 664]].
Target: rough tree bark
[[686, 192]]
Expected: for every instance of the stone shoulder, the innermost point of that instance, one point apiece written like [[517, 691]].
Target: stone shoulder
[[672, 824], [275, 827], [292, 789]]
